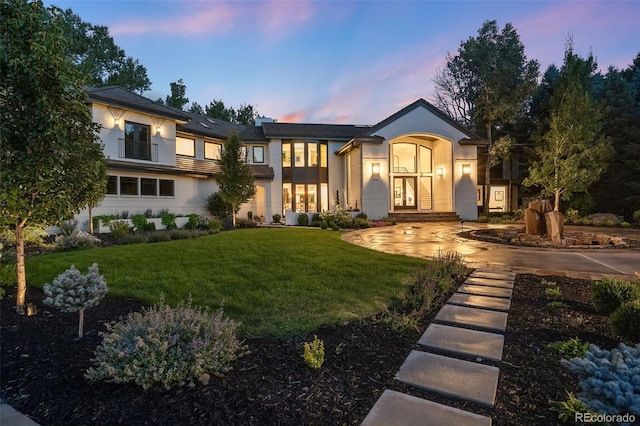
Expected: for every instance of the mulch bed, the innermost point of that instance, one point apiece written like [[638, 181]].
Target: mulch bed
[[42, 367]]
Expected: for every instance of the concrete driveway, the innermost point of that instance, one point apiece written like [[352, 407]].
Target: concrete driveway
[[426, 239]]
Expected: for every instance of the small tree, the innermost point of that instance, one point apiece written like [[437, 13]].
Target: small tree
[[573, 153], [235, 180], [73, 292], [50, 153]]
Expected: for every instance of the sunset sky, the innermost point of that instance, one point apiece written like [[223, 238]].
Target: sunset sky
[[351, 62]]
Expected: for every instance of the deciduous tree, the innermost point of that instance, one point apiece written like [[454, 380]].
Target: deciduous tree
[[487, 84], [573, 152], [49, 148]]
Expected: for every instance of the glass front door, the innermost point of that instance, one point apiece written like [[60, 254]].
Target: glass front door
[[404, 189]]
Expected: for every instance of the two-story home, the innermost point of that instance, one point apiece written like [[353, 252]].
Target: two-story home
[[417, 161]]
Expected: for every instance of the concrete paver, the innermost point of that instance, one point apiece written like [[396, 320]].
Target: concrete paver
[[463, 341], [10, 417], [475, 301], [498, 275], [483, 290], [450, 376], [491, 282], [472, 318], [398, 409]]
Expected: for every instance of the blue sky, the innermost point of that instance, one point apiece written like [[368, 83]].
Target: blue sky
[[351, 62]]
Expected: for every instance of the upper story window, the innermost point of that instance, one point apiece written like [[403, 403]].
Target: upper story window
[[137, 141], [286, 155], [186, 147], [243, 154], [258, 154], [312, 150], [404, 158], [323, 155], [298, 149], [212, 151]]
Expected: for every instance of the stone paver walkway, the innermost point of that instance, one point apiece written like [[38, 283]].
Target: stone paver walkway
[[467, 326]]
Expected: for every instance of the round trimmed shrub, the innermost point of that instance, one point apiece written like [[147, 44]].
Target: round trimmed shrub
[[609, 294], [276, 218], [625, 321], [303, 219], [167, 346]]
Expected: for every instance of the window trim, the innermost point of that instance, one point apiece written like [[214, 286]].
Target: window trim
[[184, 140], [253, 154]]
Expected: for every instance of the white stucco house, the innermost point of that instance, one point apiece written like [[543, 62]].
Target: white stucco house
[[416, 162]]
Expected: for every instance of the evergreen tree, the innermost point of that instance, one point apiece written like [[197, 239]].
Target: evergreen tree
[[177, 98], [235, 180]]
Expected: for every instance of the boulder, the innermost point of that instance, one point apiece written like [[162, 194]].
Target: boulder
[[531, 219], [554, 222]]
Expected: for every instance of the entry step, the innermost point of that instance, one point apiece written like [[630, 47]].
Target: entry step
[[482, 290], [491, 282], [450, 376], [399, 409], [489, 273]]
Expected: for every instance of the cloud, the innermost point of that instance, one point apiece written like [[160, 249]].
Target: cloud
[[293, 117], [272, 18]]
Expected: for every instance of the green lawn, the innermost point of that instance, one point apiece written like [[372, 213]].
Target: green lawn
[[275, 281]]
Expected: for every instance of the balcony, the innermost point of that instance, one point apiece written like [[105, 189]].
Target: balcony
[[137, 150]]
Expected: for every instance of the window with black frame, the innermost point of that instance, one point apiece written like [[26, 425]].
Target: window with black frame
[[137, 139]]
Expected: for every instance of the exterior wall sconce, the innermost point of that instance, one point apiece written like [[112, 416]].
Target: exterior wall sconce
[[375, 171], [466, 169], [116, 122], [440, 171], [158, 130]]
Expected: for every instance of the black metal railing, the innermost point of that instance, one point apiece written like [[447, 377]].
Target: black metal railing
[[137, 150]]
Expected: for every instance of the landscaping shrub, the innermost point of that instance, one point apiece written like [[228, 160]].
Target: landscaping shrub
[[568, 409], [76, 240], [361, 216], [139, 222], [571, 348], [159, 236], [609, 294], [68, 226], [104, 219], [169, 220], [276, 218], [167, 346], [316, 219], [314, 353], [119, 228], [136, 239], [33, 234], [361, 223], [625, 224], [193, 222], [73, 292], [246, 223], [609, 379], [636, 216], [572, 215], [626, 321], [303, 219], [217, 206], [214, 225]]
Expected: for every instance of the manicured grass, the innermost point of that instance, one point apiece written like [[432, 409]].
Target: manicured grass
[[275, 281]]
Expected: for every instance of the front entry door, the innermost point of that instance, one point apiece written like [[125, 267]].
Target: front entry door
[[404, 189]]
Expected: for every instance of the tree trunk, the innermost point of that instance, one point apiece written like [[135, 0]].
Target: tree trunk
[[90, 220], [22, 278], [81, 324], [556, 203], [233, 215], [487, 176]]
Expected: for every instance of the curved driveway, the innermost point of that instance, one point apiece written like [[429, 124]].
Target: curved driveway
[[426, 239]]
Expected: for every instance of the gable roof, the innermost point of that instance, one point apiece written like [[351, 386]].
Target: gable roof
[[421, 103], [219, 129], [312, 131], [119, 97]]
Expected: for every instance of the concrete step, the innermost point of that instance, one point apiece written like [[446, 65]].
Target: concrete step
[[450, 376], [398, 409], [490, 282], [485, 302], [483, 290], [472, 318], [425, 216], [462, 341]]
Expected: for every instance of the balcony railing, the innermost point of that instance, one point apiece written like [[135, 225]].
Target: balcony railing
[[137, 150]]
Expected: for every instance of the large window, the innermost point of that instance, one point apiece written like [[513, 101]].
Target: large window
[[185, 147], [258, 154], [167, 188], [323, 155], [149, 187], [404, 158], [212, 151], [128, 185], [286, 196], [112, 185], [137, 139], [298, 148], [312, 149], [286, 155]]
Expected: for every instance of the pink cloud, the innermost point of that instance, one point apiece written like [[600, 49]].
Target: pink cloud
[[293, 117], [220, 17]]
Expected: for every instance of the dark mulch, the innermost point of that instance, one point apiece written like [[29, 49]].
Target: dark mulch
[[42, 369]]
